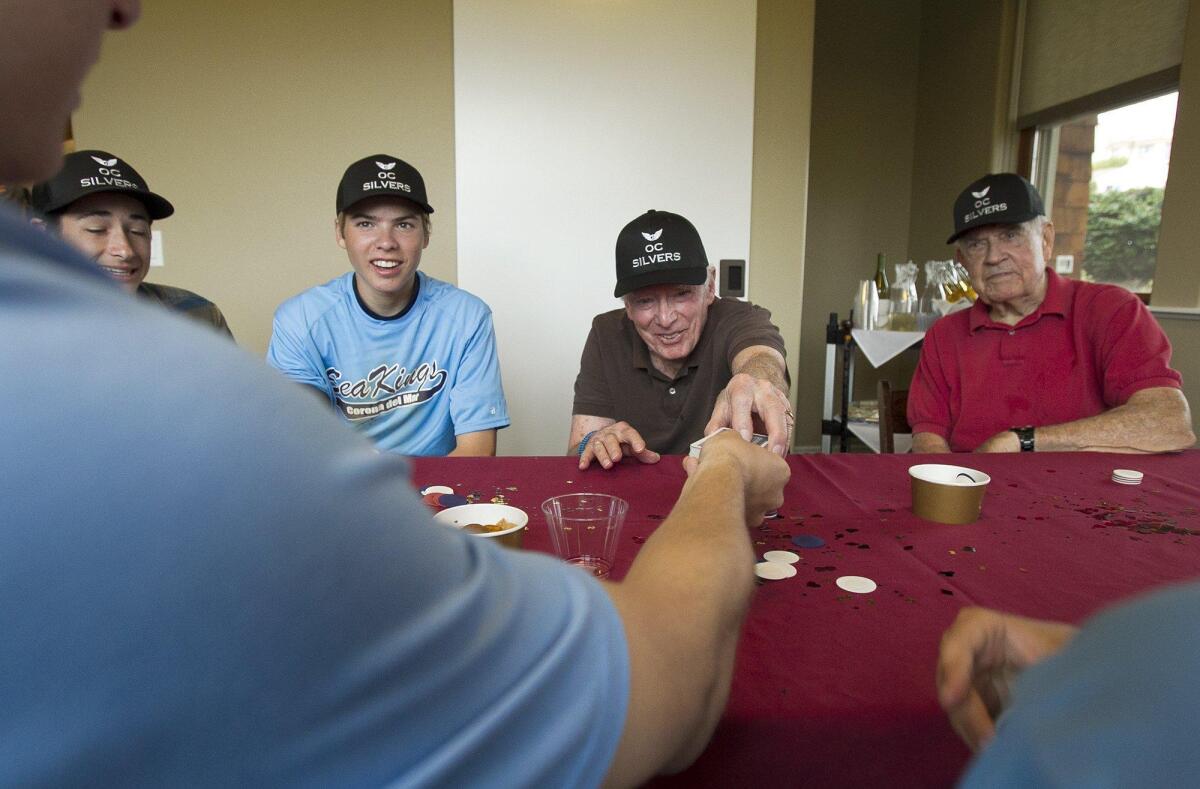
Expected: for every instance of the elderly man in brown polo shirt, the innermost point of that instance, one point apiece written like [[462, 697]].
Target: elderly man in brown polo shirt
[[676, 363]]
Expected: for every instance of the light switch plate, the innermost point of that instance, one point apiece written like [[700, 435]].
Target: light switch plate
[[156, 252], [1064, 264], [733, 281]]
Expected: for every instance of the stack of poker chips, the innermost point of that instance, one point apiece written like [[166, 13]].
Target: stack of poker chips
[[439, 497], [1126, 476]]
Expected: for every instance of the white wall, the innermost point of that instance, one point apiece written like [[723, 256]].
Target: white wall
[[571, 118]]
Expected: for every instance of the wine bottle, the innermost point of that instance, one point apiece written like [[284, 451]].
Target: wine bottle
[[881, 280]]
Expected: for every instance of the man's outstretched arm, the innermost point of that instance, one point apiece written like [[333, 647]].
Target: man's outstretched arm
[[682, 605], [758, 387]]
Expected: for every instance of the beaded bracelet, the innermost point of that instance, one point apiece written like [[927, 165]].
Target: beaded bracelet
[[583, 443]]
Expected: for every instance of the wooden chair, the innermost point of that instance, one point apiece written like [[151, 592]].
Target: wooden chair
[[893, 415]]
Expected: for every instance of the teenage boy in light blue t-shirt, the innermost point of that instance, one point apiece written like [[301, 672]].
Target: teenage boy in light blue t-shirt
[[407, 358]]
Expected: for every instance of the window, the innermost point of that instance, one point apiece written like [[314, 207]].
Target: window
[[1102, 177]]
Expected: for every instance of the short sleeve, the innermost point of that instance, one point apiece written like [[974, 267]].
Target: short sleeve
[[592, 394], [751, 327], [217, 319], [929, 393], [477, 399], [1134, 351], [291, 351]]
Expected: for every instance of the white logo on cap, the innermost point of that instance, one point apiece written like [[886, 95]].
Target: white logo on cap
[[104, 162], [652, 236], [388, 166], [981, 195]]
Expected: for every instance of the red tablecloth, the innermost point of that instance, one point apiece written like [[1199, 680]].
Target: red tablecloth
[[836, 689]]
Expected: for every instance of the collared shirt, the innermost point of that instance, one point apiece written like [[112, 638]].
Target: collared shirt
[[208, 581], [186, 303], [1085, 349], [617, 379]]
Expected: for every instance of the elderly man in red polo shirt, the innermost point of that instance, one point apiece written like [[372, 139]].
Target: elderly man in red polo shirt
[[1040, 362]]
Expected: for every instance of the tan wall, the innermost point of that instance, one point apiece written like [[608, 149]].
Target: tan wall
[[860, 171], [965, 70], [245, 115], [1184, 334], [779, 197], [1177, 274]]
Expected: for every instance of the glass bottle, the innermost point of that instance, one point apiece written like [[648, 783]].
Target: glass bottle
[[964, 279], [881, 278]]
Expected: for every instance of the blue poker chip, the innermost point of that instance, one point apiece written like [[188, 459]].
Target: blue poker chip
[[452, 500], [807, 541]]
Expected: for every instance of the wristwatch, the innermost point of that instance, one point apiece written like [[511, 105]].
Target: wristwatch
[[1025, 436]]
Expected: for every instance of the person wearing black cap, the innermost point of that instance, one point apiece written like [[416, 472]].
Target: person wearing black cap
[[676, 363], [409, 359], [1040, 362], [101, 206]]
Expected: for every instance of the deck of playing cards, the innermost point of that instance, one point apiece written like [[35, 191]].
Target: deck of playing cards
[[757, 438]]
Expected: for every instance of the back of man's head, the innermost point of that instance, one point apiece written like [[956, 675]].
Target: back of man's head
[[46, 49]]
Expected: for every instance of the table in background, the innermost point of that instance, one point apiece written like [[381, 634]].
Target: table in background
[[835, 689], [878, 347]]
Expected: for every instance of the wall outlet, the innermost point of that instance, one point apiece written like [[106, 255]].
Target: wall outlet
[[1064, 264]]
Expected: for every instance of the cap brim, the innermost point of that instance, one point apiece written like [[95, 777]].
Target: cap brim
[[1008, 220], [426, 207], [667, 276], [157, 206]]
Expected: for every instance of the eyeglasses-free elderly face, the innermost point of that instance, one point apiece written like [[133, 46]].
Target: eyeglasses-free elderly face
[[1007, 262]]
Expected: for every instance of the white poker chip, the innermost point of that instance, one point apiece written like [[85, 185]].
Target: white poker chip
[[1127, 476], [774, 571], [856, 584], [442, 489], [784, 557]]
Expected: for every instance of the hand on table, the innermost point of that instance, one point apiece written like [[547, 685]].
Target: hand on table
[[1004, 441], [609, 444], [981, 654], [746, 397], [764, 474]]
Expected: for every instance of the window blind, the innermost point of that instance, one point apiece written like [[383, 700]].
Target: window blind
[[1079, 48]]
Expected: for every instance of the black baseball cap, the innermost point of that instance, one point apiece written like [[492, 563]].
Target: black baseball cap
[[995, 199], [381, 175], [87, 172], [659, 248]]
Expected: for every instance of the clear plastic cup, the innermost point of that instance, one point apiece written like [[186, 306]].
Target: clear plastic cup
[[584, 528]]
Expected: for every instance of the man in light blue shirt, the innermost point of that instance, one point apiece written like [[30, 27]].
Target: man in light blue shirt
[[1047, 704], [207, 581], [408, 359]]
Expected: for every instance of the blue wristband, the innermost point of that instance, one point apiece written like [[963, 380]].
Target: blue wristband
[[584, 442]]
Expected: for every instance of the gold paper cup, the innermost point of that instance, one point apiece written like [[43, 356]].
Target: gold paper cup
[[487, 514], [947, 494]]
